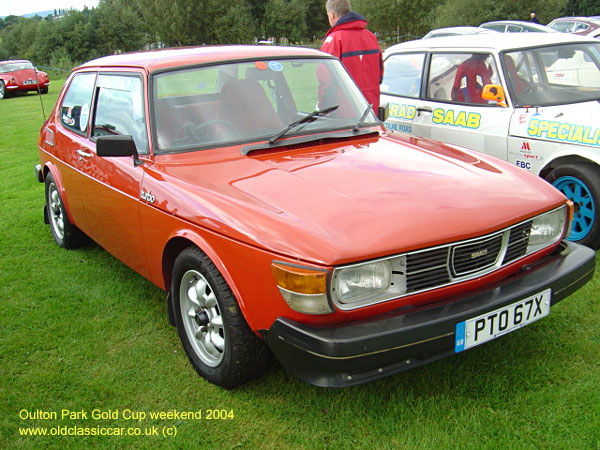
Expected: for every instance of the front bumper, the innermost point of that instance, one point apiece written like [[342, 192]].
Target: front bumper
[[365, 350]]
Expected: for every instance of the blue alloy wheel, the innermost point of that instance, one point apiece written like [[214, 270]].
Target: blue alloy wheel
[[576, 191]]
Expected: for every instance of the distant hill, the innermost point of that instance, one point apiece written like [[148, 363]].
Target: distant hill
[[40, 13]]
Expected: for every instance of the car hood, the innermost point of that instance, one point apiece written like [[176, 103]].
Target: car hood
[[342, 203], [574, 123]]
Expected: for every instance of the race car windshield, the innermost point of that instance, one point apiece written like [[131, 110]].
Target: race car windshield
[[553, 75], [243, 102]]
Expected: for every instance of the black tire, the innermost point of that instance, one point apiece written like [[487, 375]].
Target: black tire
[[215, 336], [581, 184], [3, 92], [65, 233], [44, 90]]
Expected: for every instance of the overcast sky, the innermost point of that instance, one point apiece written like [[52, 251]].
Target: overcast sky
[[20, 7]]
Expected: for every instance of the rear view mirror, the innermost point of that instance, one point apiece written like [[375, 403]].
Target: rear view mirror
[[383, 112], [117, 146], [494, 93]]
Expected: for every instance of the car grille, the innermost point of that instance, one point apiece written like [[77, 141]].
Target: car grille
[[464, 260]]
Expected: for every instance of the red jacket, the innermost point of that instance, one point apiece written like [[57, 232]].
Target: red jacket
[[359, 51]]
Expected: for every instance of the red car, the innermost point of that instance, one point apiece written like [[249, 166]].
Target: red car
[[20, 76], [256, 186]]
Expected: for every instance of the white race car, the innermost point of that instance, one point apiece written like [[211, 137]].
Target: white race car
[[533, 100]]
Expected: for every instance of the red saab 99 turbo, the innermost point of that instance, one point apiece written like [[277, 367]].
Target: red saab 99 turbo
[[21, 76], [258, 188]]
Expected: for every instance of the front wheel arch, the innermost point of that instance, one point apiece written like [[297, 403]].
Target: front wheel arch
[[178, 243], [580, 183], [214, 333]]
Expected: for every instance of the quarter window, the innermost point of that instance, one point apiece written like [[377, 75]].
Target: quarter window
[[120, 109], [460, 77], [75, 108], [402, 75]]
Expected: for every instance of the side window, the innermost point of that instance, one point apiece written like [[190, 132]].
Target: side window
[[402, 75], [120, 109], [75, 108], [580, 26], [514, 29], [460, 77]]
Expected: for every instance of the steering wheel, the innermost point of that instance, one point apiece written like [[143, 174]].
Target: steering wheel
[[200, 129]]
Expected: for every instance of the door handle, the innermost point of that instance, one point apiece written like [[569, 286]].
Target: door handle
[[83, 154], [423, 109]]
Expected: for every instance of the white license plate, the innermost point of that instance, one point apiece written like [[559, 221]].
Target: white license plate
[[493, 324], [29, 82]]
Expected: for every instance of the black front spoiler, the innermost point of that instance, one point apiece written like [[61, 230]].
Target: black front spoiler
[[365, 350]]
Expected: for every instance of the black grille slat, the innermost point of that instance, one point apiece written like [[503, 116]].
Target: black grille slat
[[426, 280], [517, 244]]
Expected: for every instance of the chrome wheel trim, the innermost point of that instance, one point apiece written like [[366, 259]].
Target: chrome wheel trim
[[55, 211], [202, 318]]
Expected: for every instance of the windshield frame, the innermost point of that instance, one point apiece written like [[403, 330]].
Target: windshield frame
[[152, 100], [535, 55]]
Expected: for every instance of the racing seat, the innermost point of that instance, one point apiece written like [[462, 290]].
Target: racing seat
[[513, 78], [471, 75], [245, 104]]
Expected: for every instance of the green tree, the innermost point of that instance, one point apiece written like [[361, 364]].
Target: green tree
[[581, 8], [316, 19], [285, 19], [119, 27]]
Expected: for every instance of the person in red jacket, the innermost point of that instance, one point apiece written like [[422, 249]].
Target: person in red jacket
[[356, 47]]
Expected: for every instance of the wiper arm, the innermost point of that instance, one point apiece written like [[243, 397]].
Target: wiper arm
[[308, 118], [362, 118]]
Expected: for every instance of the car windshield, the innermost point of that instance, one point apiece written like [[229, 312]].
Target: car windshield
[[14, 66], [553, 75], [241, 102]]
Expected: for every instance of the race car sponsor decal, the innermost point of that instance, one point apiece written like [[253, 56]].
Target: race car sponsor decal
[[401, 127], [453, 118], [402, 111], [564, 132]]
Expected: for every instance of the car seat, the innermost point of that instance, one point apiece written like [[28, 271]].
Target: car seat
[[245, 104], [515, 81], [471, 75]]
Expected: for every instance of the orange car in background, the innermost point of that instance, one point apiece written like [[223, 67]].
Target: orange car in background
[[284, 222], [19, 76]]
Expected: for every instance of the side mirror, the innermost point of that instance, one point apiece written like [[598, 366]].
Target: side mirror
[[495, 93], [117, 146], [383, 112]]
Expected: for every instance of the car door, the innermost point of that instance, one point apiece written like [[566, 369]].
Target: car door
[[71, 145], [400, 90], [113, 184], [451, 108]]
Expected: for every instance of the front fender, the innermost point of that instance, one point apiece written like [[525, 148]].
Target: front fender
[[50, 167]]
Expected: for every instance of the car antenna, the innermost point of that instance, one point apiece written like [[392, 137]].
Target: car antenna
[[37, 82]]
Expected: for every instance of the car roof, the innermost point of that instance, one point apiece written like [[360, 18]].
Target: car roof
[[153, 60], [461, 30], [575, 19], [522, 23], [15, 61], [499, 41]]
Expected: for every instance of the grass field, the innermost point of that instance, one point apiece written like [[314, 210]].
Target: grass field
[[81, 332]]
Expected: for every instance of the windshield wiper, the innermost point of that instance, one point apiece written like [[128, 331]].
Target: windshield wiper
[[308, 118], [362, 118]]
